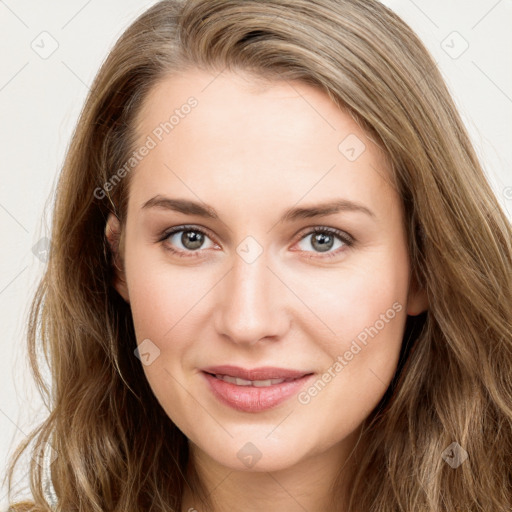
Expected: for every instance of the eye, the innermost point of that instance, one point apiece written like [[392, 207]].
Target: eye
[[323, 239], [188, 239]]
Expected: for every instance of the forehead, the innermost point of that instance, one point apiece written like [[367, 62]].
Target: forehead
[[251, 135]]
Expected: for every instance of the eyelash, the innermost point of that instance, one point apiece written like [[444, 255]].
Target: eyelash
[[343, 237]]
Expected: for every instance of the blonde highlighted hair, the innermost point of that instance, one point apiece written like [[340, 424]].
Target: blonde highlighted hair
[[117, 450]]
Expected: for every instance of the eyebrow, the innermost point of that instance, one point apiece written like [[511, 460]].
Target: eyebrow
[[189, 207]]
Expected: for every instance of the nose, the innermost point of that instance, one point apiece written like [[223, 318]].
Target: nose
[[251, 303]]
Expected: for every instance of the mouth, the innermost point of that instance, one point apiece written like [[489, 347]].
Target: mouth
[[254, 390]]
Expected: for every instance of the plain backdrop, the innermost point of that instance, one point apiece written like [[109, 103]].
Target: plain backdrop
[[50, 53]]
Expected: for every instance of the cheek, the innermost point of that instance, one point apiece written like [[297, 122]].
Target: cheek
[[368, 317], [348, 300], [163, 302], [365, 309], [163, 297]]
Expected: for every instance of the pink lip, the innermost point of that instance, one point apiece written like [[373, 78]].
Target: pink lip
[[252, 398]]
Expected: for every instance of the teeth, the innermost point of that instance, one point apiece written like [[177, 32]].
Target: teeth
[[265, 383], [244, 382]]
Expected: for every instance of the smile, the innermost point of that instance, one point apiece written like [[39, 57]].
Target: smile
[[256, 394]]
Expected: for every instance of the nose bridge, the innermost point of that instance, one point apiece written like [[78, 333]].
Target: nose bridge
[[249, 309]]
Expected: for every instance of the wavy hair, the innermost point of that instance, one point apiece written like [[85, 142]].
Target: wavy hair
[[117, 450]]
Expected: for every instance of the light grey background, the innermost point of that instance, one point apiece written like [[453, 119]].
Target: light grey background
[[41, 95]]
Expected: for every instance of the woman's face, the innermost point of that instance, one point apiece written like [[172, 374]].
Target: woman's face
[[247, 174]]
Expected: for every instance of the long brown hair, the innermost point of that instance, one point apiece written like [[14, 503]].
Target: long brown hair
[[116, 448]]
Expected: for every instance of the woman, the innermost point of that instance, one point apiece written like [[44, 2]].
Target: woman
[[236, 365]]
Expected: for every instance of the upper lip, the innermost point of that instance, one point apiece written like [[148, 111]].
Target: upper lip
[[262, 373]]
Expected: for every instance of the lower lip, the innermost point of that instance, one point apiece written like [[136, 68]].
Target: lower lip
[[252, 398]]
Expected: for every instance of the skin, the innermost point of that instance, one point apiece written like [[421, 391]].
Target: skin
[[251, 151]]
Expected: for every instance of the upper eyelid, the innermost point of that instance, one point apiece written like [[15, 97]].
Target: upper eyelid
[[177, 229], [335, 231]]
